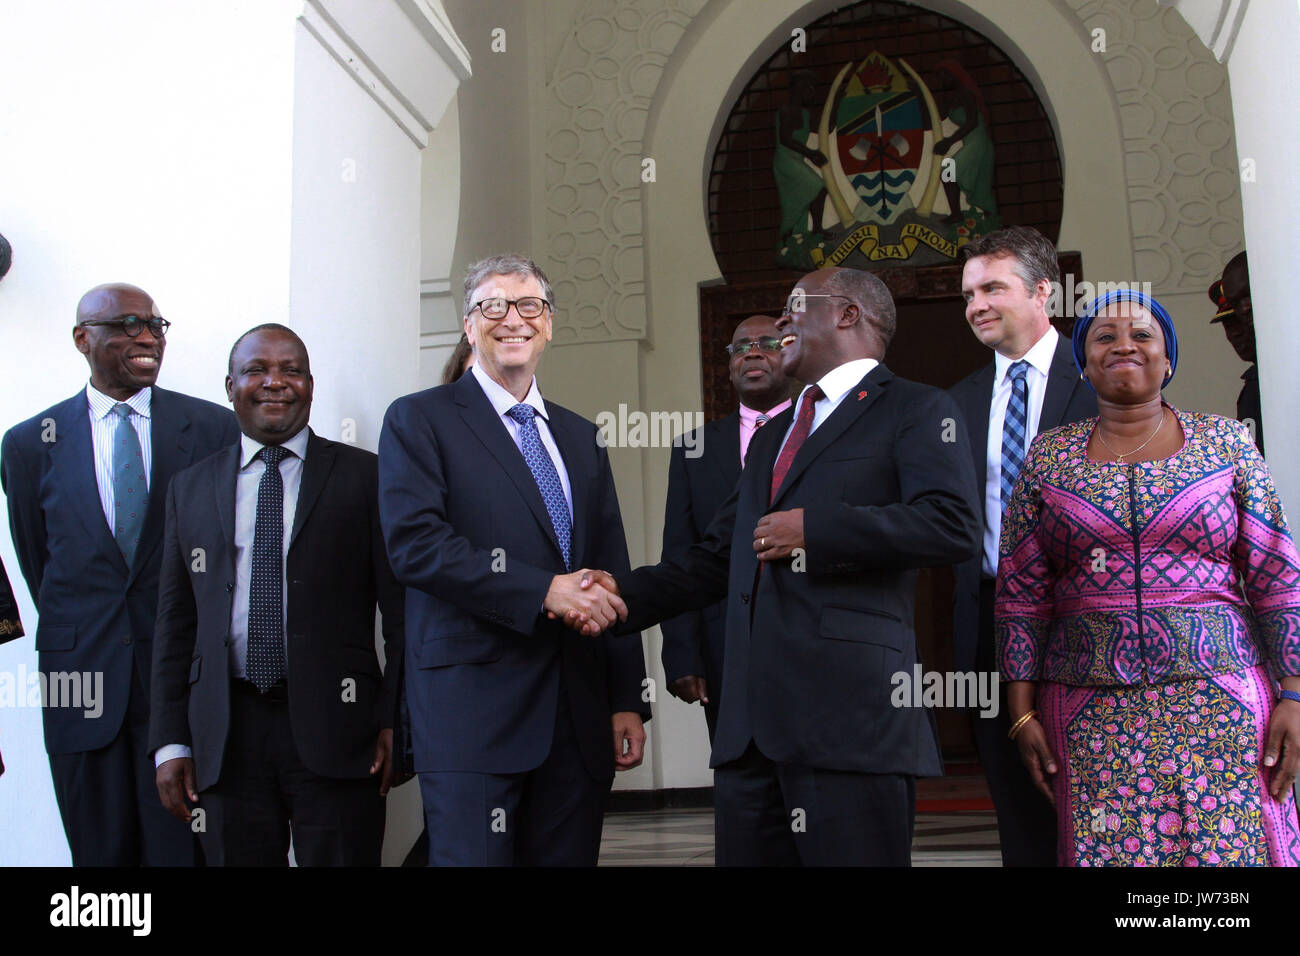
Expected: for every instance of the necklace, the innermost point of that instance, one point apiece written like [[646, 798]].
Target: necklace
[[1120, 458]]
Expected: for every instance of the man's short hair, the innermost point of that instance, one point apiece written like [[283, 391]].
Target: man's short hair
[[872, 296], [1035, 256], [264, 327], [510, 264]]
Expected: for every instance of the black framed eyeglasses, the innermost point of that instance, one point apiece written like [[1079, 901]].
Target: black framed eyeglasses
[[529, 307], [132, 324], [798, 298], [743, 348]]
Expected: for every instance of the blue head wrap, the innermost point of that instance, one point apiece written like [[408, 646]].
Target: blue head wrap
[[1089, 312]]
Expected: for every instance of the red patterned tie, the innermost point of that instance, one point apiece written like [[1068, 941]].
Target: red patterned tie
[[802, 426]]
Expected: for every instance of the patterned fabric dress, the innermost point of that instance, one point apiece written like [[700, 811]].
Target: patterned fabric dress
[[1155, 603]]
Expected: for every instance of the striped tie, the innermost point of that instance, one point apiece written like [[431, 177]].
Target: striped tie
[[1014, 428]]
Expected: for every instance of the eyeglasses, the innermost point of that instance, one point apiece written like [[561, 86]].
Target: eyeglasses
[[797, 300], [743, 348], [529, 307], [132, 324]]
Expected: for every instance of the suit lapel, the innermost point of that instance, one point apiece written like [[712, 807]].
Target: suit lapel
[[726, 432], [573, 457], [1062, 380], [851, 407], [315, 473], [172, 451], [225, 490], [72, 454], [977, 420], [482, 419]]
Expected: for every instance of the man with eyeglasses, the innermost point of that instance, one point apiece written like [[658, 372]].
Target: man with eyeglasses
[[86, 481], [698, 484], [841, 500], [493, 503]]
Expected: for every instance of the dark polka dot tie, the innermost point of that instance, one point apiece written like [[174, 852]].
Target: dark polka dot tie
[[547, 478], [130, 490], [265, 663]]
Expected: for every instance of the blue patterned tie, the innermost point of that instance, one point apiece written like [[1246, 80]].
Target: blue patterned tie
[[547, 478], [265, 663], [130, 490], [1014, 428]]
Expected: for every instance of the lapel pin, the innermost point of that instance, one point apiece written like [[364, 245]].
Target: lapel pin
[[862, 394]]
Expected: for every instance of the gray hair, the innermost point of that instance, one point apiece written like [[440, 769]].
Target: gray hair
[[1035, 256], [871, 296], [510, 264]]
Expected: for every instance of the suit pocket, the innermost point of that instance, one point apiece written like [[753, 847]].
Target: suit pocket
[[56, 637], [195, 667], [465, 649], [863, 625]]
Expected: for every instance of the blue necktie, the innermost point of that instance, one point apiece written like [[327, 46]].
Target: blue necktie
[[265, 662], [1014, 428], [547, 478], [130, 490]]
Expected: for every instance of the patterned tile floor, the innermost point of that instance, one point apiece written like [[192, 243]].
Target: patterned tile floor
[[685, 838]]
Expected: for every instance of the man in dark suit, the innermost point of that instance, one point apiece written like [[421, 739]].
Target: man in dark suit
[[490, 499], [1030, 386], [86, 481], [1232, 295], [702, 473], [817, 552], [269, 706]]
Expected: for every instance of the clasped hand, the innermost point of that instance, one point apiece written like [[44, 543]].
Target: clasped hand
[[586, 600]]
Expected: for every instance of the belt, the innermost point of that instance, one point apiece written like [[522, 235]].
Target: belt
[[277, 693]]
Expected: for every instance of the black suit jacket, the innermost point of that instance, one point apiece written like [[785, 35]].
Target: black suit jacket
[[336, 572], [96, 614], [810, 653], [469, 536], [697, 489], [1067, 399]]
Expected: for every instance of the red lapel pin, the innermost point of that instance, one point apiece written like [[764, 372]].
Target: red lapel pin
[[862, 394]]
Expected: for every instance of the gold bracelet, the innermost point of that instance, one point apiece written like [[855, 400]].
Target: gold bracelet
[[1015, 728]]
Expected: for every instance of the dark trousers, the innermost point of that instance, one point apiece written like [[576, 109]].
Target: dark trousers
[[772, 814], [1026, 821], [109, 801], [266, 795], [549, 816]]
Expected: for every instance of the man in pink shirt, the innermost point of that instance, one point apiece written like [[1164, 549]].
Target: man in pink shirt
[[701, 475]]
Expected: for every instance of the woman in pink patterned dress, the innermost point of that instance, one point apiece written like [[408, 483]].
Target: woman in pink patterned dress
[[1148, 619]]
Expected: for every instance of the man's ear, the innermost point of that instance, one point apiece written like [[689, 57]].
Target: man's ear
[[79, 339], [230, 389]]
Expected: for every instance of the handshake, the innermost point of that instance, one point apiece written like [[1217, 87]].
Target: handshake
[[586, 600]]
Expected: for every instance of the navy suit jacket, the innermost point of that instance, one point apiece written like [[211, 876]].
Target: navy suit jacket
[[469, 537], [336, 571], [96, 614], [1068, 399], [811, 651], [697, 489]]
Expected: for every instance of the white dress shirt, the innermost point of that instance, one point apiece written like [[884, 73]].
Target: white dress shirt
[[502, 401], [247, 480], [1039, 358], [835, 384], [103, 429]]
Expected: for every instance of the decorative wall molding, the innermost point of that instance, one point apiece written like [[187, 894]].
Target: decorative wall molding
[[1216, 22], [1180, 154], [404, 53], [597, 100]]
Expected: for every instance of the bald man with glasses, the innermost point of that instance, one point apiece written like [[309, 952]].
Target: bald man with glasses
[[86, 481]]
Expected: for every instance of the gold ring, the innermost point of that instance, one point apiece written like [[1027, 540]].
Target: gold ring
[[762, 542]]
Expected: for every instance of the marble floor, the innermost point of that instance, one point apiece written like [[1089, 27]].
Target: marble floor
[[685, 838]]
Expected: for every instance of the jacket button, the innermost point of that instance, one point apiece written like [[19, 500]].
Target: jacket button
[[127, 640], [744, 597], [230, 586]]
